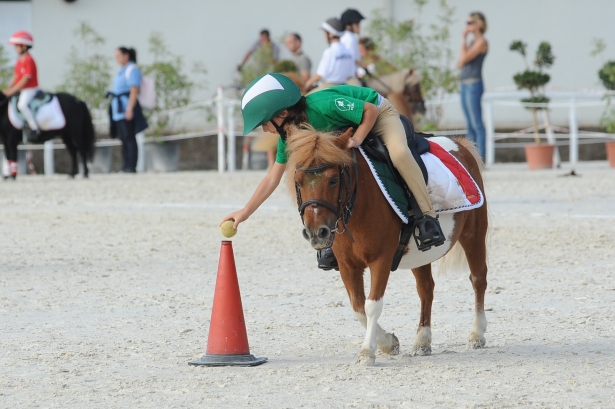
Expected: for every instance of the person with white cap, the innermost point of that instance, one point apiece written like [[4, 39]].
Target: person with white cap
[[337, 63], [25, 80]]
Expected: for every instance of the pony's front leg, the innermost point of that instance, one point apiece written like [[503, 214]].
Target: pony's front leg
[[387, 342], [375, 336]]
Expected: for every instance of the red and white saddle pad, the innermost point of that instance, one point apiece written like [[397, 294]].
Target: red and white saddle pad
[[451, 187]]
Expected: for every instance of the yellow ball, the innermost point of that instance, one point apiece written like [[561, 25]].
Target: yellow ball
[[227, 229]]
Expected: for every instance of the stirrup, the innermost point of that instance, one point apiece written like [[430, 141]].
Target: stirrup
[[32, 135], [326, 259], [427, 233]]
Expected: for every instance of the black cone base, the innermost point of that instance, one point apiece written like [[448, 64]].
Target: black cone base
[[228, 360]]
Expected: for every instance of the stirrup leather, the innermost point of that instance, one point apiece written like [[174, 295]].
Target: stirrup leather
[[427, 233], [326, 259]]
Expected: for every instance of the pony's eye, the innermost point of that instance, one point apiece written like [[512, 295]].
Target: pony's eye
[[333, 181]]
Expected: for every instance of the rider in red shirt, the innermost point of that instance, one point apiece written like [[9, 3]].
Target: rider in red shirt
[[25, 80]]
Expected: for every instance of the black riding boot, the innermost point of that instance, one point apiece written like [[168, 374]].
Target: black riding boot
[[326, 259], [32, 135], [427, 233]]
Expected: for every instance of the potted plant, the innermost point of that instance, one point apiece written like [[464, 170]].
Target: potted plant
[[607, 121], [538, 155], [607, 77]]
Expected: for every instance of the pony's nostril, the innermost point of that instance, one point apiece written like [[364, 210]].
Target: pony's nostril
[[324, 232], [306, 234]]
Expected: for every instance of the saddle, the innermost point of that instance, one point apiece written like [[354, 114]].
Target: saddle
[[46, 110], [40, 99], [417, 142]]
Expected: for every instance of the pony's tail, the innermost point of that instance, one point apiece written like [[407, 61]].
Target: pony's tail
[[454, 261], [89, 137]]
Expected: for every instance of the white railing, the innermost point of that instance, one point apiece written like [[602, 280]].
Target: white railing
[[570, 100], [226, 111]]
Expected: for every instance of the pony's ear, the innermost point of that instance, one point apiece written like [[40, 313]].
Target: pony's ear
[[342, 140]]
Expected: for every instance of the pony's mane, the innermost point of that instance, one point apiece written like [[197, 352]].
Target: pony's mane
[[307, 147]]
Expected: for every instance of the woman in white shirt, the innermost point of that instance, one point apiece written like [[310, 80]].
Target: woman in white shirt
[[337, 64]]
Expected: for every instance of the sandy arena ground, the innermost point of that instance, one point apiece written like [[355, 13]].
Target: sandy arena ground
[[106, 288]]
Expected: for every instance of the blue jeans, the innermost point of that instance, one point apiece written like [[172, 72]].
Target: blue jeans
[[470, 102]]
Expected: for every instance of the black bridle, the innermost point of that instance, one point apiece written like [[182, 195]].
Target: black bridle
[[347, 195]]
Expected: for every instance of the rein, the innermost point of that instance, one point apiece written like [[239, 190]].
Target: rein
[[345, 206]]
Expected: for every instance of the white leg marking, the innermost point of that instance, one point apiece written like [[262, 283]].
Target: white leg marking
[[373, 309], [422, 344], [477, 337], [361, 318], [387, 343]]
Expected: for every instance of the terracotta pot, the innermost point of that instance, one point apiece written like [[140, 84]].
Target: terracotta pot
[[539, 156], [610, 153]]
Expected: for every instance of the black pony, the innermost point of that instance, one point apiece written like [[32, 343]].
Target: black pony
[[77, 134]]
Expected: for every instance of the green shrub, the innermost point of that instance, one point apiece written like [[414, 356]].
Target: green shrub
[[6, 71], [406, 45], [89, 73], [285, 66], [174, 87], [261, 62], [607, 75]]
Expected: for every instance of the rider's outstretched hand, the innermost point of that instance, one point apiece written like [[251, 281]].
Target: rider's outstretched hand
[[237, 217]]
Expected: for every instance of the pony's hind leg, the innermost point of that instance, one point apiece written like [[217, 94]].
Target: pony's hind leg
[[425, 287], [72, 151], [86, 171], [475, 249]]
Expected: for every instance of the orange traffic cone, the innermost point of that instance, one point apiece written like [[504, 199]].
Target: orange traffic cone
[[228, 341]]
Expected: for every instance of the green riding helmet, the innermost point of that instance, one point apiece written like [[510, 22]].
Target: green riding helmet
[[265, 97]]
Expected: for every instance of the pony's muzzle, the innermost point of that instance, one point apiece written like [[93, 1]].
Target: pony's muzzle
[[318, 238]]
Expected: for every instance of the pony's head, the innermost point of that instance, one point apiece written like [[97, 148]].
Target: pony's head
[[318, 174]]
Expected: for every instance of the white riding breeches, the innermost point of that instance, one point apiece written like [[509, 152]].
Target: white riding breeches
[[26, 95]]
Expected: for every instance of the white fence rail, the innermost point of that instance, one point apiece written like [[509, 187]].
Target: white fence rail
[[569, 100], [226, 112]]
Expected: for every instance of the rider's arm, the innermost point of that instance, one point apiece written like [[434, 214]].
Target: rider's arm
[[16, 87], [370, 113], [132, 101], [309, 83], [467, 54], [263, 191]]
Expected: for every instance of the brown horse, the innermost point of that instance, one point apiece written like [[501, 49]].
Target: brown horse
[[327, 177], [403, 89]]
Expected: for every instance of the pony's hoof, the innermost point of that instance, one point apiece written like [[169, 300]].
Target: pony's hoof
[[421, 350], [422, 344], [393, 348], [476, 341], [366, 358]]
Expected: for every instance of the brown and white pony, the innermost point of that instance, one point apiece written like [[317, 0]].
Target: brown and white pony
[[324, 174]]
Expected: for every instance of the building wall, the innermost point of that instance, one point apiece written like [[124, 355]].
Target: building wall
[[219, 33]]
